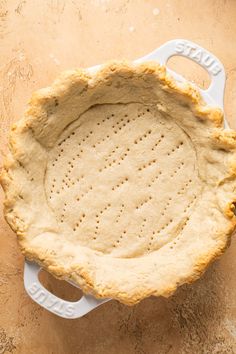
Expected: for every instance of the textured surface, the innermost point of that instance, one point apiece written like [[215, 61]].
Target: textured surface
[[112, 170], [200, 318]]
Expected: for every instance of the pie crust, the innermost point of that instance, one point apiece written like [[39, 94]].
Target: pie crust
[[121, 181]]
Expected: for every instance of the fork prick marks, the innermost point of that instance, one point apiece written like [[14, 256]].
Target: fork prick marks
[[130, 169], [120, 184], [158, 142], [98, 219], [112, 153], [121, 210], [142, 137], [82, 195], [115, 161], [146, 165], [145, 201], [79, 221]]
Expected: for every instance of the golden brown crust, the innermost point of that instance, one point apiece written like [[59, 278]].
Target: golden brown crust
[[30, 137]]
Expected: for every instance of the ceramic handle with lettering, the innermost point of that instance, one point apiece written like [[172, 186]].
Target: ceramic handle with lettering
[[52, 303], [188, 49]]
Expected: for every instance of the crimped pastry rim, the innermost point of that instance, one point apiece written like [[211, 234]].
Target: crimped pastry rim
[[224, 138]]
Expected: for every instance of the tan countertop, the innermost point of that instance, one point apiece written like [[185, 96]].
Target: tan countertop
[[38, 39]]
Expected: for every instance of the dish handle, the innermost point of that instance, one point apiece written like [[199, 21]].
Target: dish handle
[[52, 303], [192, 51]]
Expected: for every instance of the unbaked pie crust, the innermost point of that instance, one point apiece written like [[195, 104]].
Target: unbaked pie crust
[[121, 181]]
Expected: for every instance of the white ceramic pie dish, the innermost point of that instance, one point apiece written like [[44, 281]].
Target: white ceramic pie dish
[[214, 95]]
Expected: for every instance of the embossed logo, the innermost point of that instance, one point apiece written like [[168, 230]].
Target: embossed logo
[[199, 55], [49, 301]]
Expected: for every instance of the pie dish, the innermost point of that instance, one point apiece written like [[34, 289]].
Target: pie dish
[[121, 181]]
